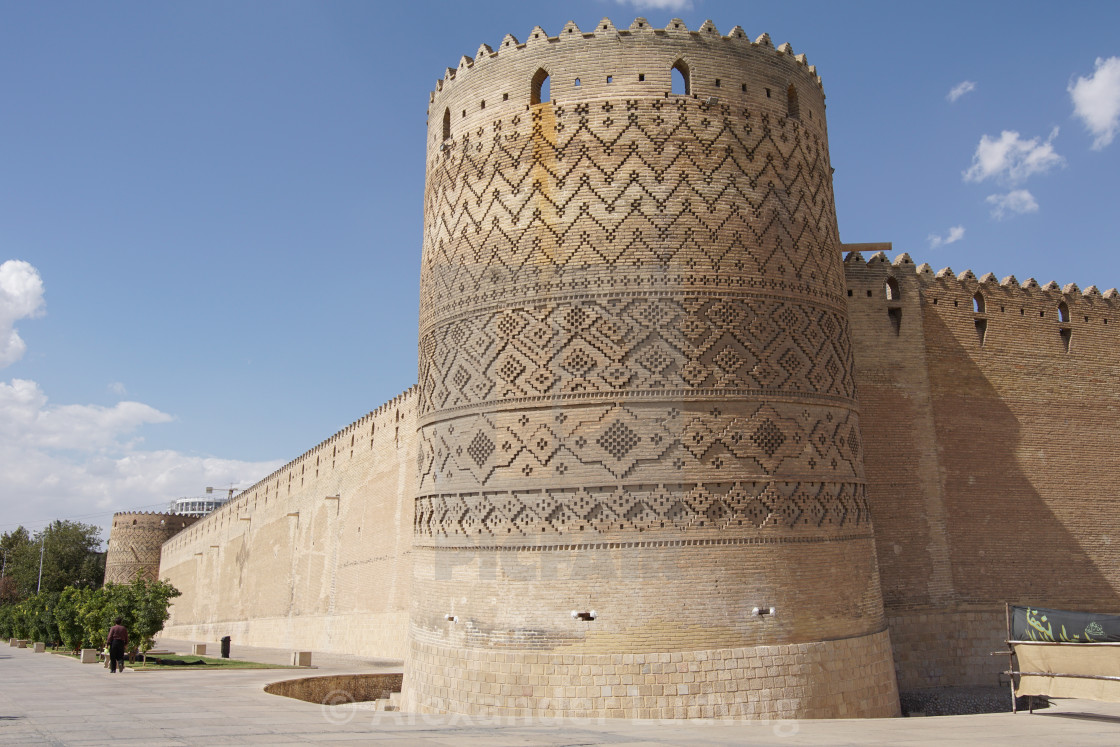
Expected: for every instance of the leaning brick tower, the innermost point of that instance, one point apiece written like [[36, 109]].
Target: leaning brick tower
[[135, 543], [641, 489]]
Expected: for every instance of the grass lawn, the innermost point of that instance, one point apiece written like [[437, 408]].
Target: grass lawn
[[209, 662]]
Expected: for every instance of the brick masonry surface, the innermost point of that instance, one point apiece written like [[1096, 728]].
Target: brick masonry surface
[[650, 388], [135, 543], [314, 557], [636, 389], [827, 679], [989, 415]]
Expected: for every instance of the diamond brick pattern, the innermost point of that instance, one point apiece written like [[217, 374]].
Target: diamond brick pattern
[[635, 371]]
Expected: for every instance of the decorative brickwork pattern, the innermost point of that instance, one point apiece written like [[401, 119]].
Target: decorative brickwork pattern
[[633, 334], [135, 543], [639, 363], [713, 507]]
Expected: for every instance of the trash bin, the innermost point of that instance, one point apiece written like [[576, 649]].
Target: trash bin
[[225, 647]]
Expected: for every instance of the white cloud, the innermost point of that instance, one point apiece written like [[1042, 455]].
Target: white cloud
[[85, 461], [1011, 158], [1017, 201], [657, 4], [21, 297], [965, 86], [118, 389], [25, 416], [1096, 100], [956, 233]]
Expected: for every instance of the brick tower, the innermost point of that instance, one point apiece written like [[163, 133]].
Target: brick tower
[[135, 542], [641, 487]]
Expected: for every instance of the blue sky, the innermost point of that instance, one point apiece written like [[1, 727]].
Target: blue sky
[[211, 212]]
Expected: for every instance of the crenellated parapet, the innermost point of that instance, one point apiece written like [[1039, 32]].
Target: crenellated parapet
[[384, 415], [368, 432], [966, 285], [1023, 316], [636, 63]]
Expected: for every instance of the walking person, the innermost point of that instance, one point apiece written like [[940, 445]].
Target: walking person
[[118, 639]]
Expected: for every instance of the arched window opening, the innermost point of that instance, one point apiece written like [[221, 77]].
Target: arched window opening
[[895, 315], [1066, 334], [793, 109], [446, 124], [978, 303], [981, 330], [892, 290], [1063, 312], [682, 80], [540, 89]]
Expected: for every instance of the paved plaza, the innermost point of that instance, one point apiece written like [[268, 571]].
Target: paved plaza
[[48, 699]]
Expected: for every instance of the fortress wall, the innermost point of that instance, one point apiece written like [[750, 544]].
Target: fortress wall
[[1028, 433], [899, 439], [990, 464], [316, 555]]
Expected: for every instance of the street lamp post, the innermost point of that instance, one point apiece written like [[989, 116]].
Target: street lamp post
[[42, 548]]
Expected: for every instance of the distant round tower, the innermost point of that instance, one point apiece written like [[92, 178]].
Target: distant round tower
[[135, 541], [641, 488]]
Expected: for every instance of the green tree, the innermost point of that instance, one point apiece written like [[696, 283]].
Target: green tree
[[151, 602], [97, 615], [70, 553], [68, 616], [40, 613], [143, 607], [19, 558], [21, 620], [7, 621], [9, 594]]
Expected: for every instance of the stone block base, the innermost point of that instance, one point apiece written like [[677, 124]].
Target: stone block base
[[948, 647], [301, 658], [852, 677], [40, 648], [89, 656], [198, 649]]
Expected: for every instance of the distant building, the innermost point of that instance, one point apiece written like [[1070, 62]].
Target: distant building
[[196, 506]]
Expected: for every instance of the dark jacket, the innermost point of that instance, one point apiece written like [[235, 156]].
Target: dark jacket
[[118, 633]]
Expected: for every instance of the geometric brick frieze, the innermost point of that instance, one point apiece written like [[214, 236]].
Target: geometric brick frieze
[[633, 328], [653, 191], [693, 345], [136, 542], [733, 509], [616, 441]]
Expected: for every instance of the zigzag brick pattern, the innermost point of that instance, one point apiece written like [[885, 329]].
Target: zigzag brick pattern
[[634, 339], [135, 543]]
